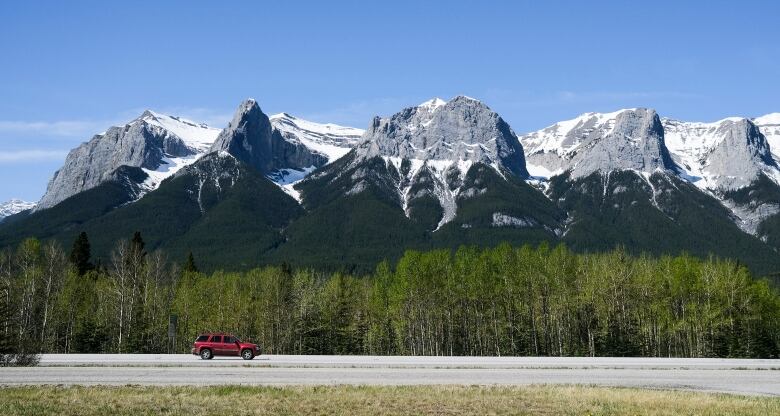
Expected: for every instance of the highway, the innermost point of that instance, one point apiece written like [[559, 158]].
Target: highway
[[753, 377]]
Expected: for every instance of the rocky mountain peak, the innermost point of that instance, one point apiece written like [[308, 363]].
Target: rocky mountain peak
[[247, 118], [147, 114], [247, 107], [723, 155], [635, 142], [740, 156], [426, 152], [251, 138], [622, 140], [156, 143], [462, 129]]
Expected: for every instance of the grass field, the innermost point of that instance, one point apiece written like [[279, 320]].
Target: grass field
[[345, 400]]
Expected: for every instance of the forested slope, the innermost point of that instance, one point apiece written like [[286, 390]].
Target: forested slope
[[499, 301]]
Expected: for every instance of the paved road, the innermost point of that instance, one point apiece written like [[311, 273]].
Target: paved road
[[733, 376]]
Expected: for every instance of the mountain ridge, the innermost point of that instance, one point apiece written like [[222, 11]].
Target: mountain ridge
[[437, 175]]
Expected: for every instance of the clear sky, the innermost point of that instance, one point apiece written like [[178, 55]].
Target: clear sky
[[69, 70]]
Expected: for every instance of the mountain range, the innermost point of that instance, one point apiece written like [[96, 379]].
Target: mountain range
[[437, 175]]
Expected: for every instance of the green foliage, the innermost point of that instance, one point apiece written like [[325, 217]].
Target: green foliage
[[544, 300], [19, 274]]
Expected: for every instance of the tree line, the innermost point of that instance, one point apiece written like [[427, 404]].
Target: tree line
[[496, 301]]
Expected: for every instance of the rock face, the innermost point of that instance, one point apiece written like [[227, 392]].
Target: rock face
[[722, 156], [624, 140], [463, 129], [427, 151], [719, 158], [251, 138], [740, 157], [732, 160], [635, 143], [735, 165], [143, 143], [549, 151]]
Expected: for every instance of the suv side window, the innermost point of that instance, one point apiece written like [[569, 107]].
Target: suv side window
[[216, 338], [202, 338], [229, 340]]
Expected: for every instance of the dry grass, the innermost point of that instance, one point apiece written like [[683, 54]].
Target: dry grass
[[346, 400]]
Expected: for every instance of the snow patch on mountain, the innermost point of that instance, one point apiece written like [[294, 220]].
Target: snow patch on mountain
[[441, 171], [168, 167], [625, 139], [565, 137], [724, 155], [503, 220], [690, 143], [433, 104], [13, 207], [770, 126], [541, 173], [330, 140], [287, 178], [198, 136]]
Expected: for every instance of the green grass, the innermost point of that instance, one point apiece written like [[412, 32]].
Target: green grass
[[346, 400]]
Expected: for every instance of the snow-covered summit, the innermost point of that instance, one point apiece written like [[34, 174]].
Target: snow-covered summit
[[461, 129], [624, 139], [14, 206], [564, 137], [331, 140], [770, 126], [725, 154], [157, 143], [432, 104], [198, 136], [768, 119]]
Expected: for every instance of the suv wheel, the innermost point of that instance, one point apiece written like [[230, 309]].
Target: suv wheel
[[206, 354], [247, 354]]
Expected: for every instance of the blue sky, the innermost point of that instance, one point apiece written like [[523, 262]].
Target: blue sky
[[71, 69]]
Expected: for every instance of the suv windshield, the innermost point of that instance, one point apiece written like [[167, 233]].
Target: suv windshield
[[202, 338]]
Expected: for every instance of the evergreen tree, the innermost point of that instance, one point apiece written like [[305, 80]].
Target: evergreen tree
[[137, 244], [190, 266], [89, 338], [80, 254]]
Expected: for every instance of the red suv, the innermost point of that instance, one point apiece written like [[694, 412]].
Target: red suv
[[210, 345]]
